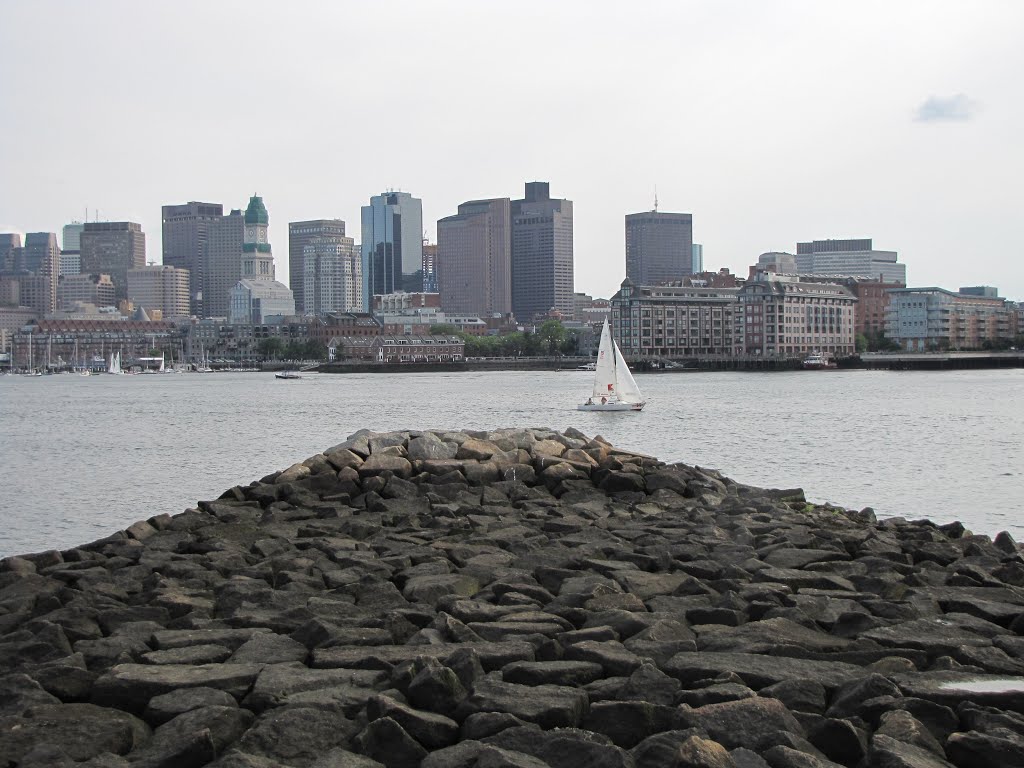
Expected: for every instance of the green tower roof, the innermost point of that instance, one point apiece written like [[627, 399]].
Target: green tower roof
[[256, 213]]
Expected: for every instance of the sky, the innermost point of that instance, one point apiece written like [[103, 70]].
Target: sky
[[771, 122]]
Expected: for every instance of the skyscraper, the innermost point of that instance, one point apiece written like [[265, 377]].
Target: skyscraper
[[542, 254], [300, 234], [392, 247], [41, 256], [333, 278], [10, 245], [222, 266], [185, 236], [474, 258], [659, 247], [71, 248], [112, 248]]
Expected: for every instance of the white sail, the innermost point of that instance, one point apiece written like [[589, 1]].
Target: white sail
[[625, 385], [614, 386], [604, 372]]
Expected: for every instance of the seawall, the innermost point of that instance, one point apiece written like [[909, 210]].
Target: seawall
[[517, 598]]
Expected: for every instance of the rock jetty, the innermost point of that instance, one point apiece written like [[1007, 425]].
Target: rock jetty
[[514, 599]]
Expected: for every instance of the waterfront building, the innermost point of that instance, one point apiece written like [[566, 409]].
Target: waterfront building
[[659, 247], [849, 258], [542, 254], [301, 234], [922, 319], [97, 290], [185, 239], [474, 258], [697, 262], [112, 248], [62, 338], [784, 316], [343, 324], [675, 321], [392, 244], [160, 287], [396, 349], [222, 267], [332, 277]]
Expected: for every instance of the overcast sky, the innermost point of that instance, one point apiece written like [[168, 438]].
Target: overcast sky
[[770, 122]]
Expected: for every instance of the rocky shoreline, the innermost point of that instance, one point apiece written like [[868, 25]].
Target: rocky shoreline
[[514, 599]]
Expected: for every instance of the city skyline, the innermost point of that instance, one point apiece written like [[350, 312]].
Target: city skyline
[[771, 126]]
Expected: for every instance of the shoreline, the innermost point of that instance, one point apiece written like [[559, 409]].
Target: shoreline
[[446, 598]]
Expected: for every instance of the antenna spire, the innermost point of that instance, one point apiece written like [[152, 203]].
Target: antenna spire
[[655, 198]]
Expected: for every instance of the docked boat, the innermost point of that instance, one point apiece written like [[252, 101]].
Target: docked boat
[[614, 386], [816, 361]]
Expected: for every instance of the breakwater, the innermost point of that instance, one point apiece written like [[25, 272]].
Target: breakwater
[[514, 598]]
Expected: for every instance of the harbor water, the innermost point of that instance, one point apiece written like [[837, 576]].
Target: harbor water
[[83, 457]]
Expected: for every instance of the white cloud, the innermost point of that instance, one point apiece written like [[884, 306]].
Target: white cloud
[[938, 109]]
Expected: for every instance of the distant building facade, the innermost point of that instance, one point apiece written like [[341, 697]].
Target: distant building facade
[[697, 262], [160, 287], [10, 244], [783, 316], [430, 267], [659, 247], [97, 290], [332, 280], [301, 234], [257, 296], [542, 254], [474, 258], [849, 258], [392, 244], [923, 319], [71, 248], [222, 267], [675, 321], [185, 238], [112, 248]]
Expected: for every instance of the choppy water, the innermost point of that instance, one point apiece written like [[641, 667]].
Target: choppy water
[[82, 457]]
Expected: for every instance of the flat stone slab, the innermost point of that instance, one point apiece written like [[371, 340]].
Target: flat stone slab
[[759, 671], [131, 686]]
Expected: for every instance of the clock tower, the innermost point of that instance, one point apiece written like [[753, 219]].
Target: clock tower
[[257, 259]]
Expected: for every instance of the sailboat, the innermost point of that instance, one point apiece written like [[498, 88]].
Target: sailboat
[[115, 363], [614, 387]]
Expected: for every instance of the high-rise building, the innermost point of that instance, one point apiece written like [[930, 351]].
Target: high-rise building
[[185, 237], [300, 234], [392, 247], [222, 267], [333, 280], [41, 256], [162, 287], [659, 247], [697, 264], [474, 258], [71, 248], [112, 248], [256, 296], [849, 258], [542, 254], [10, 244], [429, 267], [97, 290]]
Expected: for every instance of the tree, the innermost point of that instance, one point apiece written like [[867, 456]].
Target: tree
[[270, 348], [550, 336], [443, 329], [861, 342]]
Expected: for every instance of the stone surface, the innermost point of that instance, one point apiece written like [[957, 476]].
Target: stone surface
[[514, 597]]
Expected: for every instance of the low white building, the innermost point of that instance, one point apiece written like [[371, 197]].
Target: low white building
[[257, 301]]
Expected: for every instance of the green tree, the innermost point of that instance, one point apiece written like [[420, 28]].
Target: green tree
[[443, 329], [550, 336], [270, 348], [861, 342]]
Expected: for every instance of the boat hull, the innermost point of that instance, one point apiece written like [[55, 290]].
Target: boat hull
[[610, 407]]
